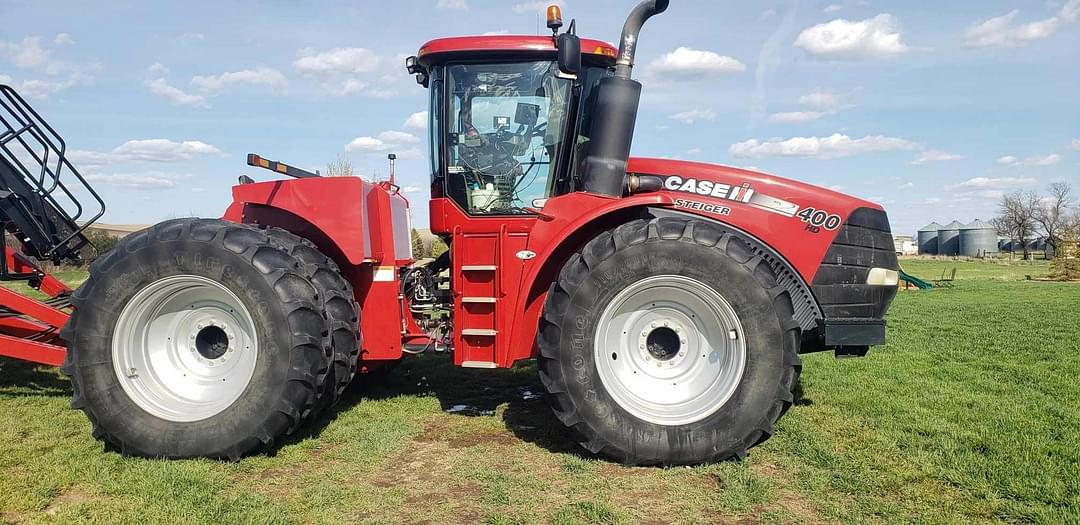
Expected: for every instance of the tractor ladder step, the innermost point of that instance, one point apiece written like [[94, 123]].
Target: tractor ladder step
[[484, 332], [480, 268], [480, 300]]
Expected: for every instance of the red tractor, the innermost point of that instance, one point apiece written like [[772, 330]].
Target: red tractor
[[665, 302]]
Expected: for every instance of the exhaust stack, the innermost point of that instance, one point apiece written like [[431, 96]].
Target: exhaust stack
[[628, 42], [616, 111]]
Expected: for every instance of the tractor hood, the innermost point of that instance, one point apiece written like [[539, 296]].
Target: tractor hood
[[801, 218]]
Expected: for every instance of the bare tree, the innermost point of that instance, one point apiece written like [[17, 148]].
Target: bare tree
[[1016, 217], [341, 167], [1054, 213]]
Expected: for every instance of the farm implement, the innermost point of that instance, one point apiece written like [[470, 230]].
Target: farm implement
[[665, 302]]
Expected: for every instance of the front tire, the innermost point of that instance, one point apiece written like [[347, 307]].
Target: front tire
[[196, 338], [668, 342]]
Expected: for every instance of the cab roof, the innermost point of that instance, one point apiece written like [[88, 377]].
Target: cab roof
[[432, 51]]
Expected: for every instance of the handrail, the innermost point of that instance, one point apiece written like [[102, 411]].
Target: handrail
[[24, 130]]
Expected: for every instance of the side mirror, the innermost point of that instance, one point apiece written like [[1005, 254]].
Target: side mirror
[[569, 46]]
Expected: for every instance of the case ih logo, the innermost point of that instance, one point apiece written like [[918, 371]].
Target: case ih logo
[[710, 188], [745, 194]]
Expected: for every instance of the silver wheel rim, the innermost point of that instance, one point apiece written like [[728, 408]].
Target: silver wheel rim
[[184, 348], [670, 350]]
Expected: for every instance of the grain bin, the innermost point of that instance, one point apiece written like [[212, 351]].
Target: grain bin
[[978, 239], [949, 239], [927, 239]]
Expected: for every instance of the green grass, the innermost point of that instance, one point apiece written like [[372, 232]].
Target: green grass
[[970, 413]]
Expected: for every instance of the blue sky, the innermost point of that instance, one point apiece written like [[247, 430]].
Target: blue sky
[[933, 109]]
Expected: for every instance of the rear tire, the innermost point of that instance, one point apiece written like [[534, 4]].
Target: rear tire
[[342, 314], [668, 301], [147, 390]]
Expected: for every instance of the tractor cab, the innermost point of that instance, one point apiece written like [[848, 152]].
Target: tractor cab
[[509, 118]]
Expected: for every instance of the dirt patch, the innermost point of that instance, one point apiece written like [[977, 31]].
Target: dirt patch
[[13, 517], [789, 500], [439, 430], [279, 482], [70, 496], [422, 470]]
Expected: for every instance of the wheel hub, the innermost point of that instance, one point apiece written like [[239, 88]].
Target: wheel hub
[[184, 348], [663, 343], [668, 350], [212, 342]]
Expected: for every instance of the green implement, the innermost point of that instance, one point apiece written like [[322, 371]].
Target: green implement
[[912, 280]]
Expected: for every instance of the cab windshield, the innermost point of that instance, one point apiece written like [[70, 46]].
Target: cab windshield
[[505, 125]]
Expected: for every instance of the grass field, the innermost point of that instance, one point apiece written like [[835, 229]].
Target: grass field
[[970, 414]]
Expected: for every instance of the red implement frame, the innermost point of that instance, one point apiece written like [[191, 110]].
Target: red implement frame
[[30, 328]]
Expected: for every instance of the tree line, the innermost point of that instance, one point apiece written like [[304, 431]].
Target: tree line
[[1025, 215]]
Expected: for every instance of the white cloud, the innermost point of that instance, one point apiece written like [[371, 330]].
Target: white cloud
[[28, 54], [832, 8], [175, 95], [385, 142], [157, 68], [1036, 161], [497, 32], [834, 146], [398, 137], [1000, 31], [906, 186], [693, 63], [994, 183], [694, 151], [877, 37], [824, 103], [537, 6], [1043, 160], [796, 116], [347, 71], [338, 60], [162, 150], [63, 39], [1076, 144], [820, 99], [928, 156], [452, 4], [265, 76], [694, 115], [39, 89], [127, 180], [768, 13], [418, 120]]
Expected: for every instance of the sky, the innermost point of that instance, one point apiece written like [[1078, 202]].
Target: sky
[[933, 109]]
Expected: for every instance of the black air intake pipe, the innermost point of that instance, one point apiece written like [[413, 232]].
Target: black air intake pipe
[[616, 111]]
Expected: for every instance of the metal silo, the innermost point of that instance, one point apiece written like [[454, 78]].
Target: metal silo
[[978, 239], [948, 238], [927, 239]]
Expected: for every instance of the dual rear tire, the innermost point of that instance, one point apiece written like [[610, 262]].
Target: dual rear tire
[[204, 338]]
